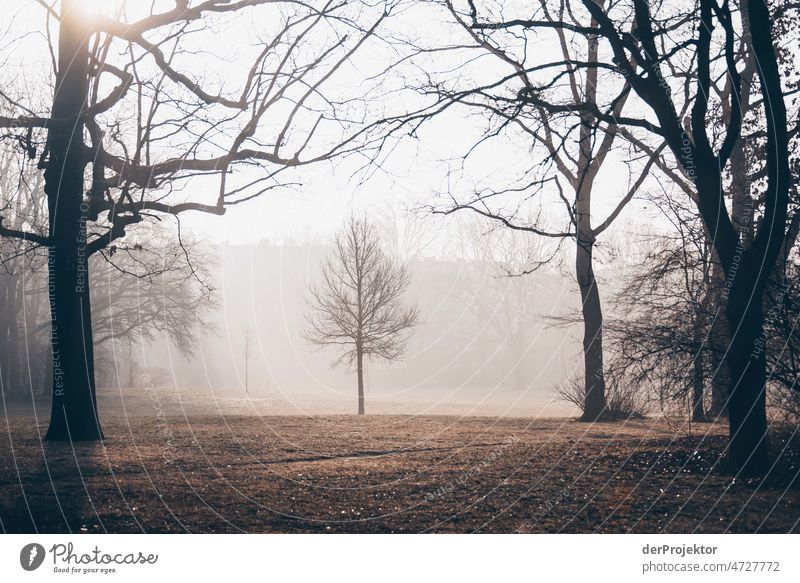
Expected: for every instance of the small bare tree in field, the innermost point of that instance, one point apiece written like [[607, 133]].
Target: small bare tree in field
[[358, 304], [155, 109]]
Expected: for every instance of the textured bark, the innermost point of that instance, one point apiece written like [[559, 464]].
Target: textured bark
[[719, 339], [74, 410], [749, 450], [595, 401], [747, 406], [594, 406]]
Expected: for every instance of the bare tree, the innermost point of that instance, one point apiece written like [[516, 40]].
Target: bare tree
[[569, 151], [782, 341], [147, 287], [407, 233], [20, 286], [504, 265], [661, 339], [358, 305], [130, 123], [662, 61], [149, 283], [703, 150], [140, 291], [665, 341]]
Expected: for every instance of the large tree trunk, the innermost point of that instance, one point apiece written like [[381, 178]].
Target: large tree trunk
[[594, 406], [747, 361], [360, 372], [747, 404], [74, 411], [719, 340], [720, 379]]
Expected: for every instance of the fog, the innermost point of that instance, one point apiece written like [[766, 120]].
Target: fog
[[485, 345]]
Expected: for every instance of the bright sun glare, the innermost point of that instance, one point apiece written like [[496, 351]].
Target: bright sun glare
[[104, 7]]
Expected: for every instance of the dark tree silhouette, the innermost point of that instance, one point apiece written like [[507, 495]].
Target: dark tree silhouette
[[664, 338], [660, 341], [640, 55], [358, 304], [663, 60], [148, 284], [570, 153], [127, 128]]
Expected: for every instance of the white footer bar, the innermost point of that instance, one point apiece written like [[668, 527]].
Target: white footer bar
[[401, 558]]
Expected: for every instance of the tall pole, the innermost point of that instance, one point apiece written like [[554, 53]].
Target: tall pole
[[246, 358]]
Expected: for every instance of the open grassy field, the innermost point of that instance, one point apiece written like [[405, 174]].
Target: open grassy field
[[387, 474]]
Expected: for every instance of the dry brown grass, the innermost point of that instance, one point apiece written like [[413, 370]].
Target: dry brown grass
[[386, 474]]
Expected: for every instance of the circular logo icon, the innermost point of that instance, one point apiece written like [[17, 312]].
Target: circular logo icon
[[31, 556]]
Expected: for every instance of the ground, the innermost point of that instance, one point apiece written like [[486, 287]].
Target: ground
[[385, 473]]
